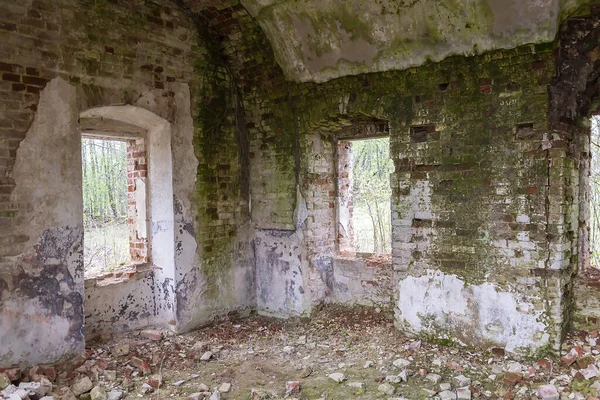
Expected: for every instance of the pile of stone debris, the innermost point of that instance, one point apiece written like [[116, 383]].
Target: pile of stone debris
[[339, 354]]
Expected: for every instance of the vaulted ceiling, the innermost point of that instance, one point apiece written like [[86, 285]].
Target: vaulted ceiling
[[318, 40]]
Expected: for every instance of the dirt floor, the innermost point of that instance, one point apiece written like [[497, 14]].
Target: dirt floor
[[259, 358]]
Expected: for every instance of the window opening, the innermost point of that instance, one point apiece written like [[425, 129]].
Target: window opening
[[114, 204], [364, 201]]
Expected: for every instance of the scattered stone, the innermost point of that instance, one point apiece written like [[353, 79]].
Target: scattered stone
[[49, 371], [498, 352], [288, 349], [195, 396], [152, 334], [4, 381], [357, 385], [512, 378], [81, 386], [590, 372], [305, 373], [110, 375], [262, 394], [203, 388], [573, 355], [548, 392], [433, 378], [178, 383], [463, 393], [147, 388], [37, 389], [292, 387], [447, 395], [445, 386], [585, 361], [544, 363], [115, 394], [368, 364], [403, 376], [461, 381], [401, 363], [514, 367], [337, 376], [455, 366], [98, 393], [386, 388], [206, 356], [154, 382], [415, 345], [392, 378], [13, 374], [429, 392], [216, 395], [200, 346], [225, 387], [141, 365], [65, 393], [120, 350]]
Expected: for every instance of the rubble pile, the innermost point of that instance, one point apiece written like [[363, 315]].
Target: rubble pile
[[342, 353]]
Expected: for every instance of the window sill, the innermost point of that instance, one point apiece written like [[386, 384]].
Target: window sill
[[129, 272], [371, 260]]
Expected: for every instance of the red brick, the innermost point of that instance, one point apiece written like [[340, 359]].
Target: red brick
[[11, 77], [512, 378], [573, 355]]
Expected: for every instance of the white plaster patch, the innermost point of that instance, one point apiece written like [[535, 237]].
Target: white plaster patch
[[41, 337], [440, 304]]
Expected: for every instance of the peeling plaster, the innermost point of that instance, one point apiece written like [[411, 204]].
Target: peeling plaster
[[42, 300], [438, 305], [280, 262]]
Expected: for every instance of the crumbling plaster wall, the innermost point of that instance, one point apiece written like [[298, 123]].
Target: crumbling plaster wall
[[82, 55]]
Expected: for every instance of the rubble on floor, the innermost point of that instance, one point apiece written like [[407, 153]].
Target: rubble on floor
[[342, 353]]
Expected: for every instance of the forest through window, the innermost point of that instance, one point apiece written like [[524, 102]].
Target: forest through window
[[105, 205], [371, 193]]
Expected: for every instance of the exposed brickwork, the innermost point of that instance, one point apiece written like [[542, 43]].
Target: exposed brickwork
[[574, 95], [479, 188], [148, 46], [488, 156], [345, 205], [137, 171]]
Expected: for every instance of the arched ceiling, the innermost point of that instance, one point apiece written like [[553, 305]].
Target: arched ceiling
[[318, 40]]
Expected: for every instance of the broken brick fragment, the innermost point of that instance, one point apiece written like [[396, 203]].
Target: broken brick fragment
[[13, 374], [141, 365], [573, 355], [512, 378]]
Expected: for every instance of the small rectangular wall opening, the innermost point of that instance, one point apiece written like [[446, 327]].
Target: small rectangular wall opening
[[114, 204], [364, 193]]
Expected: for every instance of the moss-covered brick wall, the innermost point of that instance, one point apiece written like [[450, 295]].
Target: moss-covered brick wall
[[481, 203]]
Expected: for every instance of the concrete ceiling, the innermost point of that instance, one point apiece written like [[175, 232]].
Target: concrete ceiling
[[318, 40]]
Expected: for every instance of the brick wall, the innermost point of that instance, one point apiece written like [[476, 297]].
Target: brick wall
[[137, 169], [481, 194], [470, 189]]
